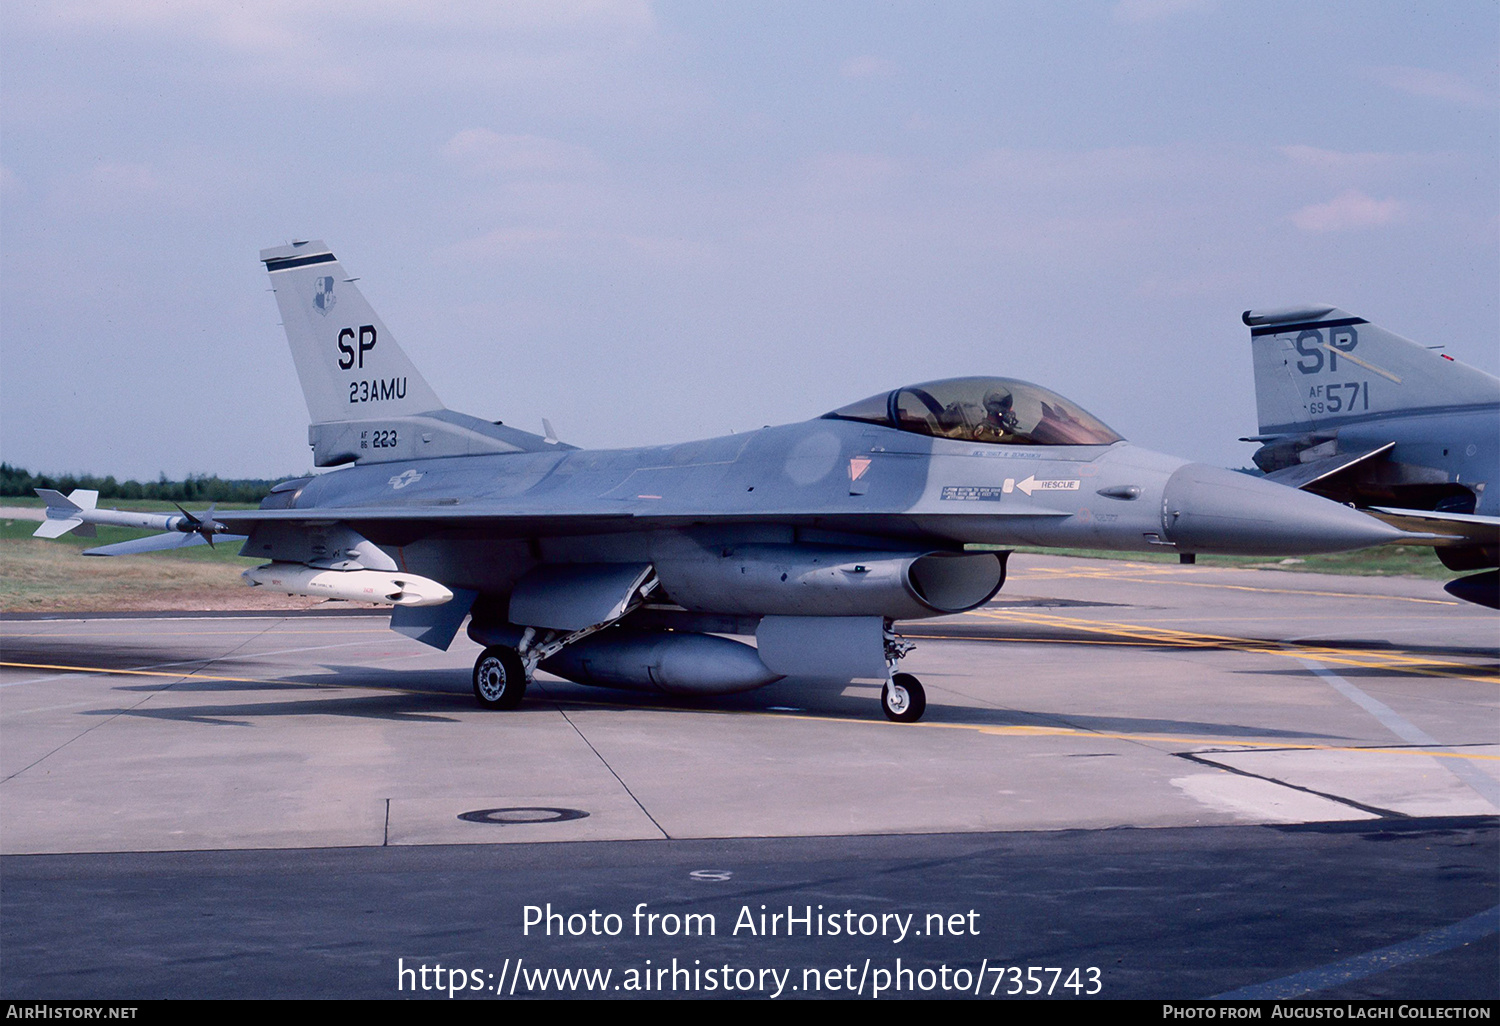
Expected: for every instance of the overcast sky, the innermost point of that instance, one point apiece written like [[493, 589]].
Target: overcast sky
[[651, 222]]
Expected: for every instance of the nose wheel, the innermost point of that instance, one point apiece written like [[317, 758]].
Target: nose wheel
[[499, 678], [903, 698]]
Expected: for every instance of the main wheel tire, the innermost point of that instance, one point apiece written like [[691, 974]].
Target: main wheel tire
[[903, 699], [499, 678]]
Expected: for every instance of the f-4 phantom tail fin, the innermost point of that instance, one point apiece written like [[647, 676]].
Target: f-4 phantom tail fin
[[1319, 367]]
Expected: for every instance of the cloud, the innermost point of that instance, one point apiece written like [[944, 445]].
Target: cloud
[[531, 243], [852, 175], [276, 23], [360, 46], [1366, 168], [481, 151], [11, 185], [1106, 167], [506, 243], [867, 66], [1348, 210], [1337, 161], [1437, 85], [119, 187], [1155, 10]]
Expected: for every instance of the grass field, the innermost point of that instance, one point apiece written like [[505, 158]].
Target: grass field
[[1382, 561], [37, 575]]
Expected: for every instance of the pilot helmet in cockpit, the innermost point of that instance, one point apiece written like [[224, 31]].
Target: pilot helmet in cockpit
[[999, 409]]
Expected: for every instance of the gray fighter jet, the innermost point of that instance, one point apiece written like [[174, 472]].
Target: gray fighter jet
[[1355, 413], [629, 568]]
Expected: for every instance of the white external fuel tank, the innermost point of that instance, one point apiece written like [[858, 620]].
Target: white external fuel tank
[[386, 587]]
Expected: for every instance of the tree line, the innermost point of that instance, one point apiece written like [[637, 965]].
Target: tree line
[[194, 488]]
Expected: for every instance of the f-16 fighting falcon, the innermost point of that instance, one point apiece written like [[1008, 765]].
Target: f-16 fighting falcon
[[632, 568], [1360, 415]]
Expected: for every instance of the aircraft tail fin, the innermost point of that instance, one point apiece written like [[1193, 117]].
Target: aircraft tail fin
[[1318, 367], [367, 400], [350, 364]]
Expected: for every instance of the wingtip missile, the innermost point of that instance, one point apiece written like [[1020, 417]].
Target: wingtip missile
[[77, 511]]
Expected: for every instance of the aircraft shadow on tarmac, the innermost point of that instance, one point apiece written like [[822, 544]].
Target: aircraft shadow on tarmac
[[393, 707], [427, 695]]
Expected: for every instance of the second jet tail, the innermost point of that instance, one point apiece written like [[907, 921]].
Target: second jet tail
[[1319, 367]]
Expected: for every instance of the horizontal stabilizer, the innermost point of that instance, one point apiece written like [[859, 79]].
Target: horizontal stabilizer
[[1450, 528], [1305, 475], [1438, 516]]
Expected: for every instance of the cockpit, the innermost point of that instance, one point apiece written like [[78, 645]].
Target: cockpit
[[998, 410]]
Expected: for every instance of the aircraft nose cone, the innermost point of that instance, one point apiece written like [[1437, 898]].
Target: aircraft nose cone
[[1209, 509]]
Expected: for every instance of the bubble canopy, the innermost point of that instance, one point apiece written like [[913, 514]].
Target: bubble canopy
[[1001, 411]]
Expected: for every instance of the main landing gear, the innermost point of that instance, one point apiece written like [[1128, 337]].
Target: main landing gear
[[499, 678], [903, 698], [501, 673]]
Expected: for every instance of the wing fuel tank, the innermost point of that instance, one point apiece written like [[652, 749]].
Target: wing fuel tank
[[676, 663], [396, 589]]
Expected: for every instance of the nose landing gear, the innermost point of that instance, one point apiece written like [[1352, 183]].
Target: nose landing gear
[[903, 699]]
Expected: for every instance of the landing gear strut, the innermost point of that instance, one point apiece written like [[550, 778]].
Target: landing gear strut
[[903, 698], [502, 673]]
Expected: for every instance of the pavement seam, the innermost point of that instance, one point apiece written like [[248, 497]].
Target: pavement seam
[[1373, 810], [644, 811]]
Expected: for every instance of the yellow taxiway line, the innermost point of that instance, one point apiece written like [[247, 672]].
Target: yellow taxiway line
[[1401, 662]]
